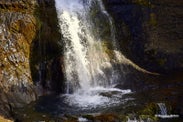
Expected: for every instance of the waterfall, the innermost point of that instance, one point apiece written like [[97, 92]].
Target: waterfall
[[163, 112], [89, 69], [86, 62]]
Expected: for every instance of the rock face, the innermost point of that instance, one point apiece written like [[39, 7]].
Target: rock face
[[46, 49], [150, 32], [4, 120], [30, 52], [17, 30]]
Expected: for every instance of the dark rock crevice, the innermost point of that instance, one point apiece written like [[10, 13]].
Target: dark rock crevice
[[47, 48]]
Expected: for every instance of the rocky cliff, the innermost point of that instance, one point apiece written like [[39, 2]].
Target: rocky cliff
[[150, 32], [17, 30], [46, 49]]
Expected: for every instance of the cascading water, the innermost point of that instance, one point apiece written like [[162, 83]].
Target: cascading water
[[164, 112], [84, 57], [88, 67]]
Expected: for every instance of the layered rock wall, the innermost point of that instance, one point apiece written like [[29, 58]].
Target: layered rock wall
[[17, 30]]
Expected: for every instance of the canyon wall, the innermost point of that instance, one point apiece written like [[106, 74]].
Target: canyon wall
[[17, 30], [149, 32], [31, 61]]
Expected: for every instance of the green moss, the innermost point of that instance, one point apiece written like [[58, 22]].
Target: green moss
[[148, 112], [147, 117], [150, 109]]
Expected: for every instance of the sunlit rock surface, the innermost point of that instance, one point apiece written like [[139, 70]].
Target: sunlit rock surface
[[2, 119], [17, 30]]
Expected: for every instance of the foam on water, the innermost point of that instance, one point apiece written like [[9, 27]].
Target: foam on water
[[166, 116], [96, 97], [81, 119]]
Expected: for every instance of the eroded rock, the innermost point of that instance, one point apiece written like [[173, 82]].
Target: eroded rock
[[17, 30]]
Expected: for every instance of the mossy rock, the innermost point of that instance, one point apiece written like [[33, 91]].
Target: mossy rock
[[150, 109], [148, 118]]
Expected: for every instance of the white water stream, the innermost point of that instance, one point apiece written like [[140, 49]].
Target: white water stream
[[88, 67], [164, 113]]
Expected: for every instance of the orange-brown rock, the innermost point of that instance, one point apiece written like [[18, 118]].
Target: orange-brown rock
[[17, 30]]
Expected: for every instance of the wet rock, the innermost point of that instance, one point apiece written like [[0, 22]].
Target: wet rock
[[57, 69], [89, 117], [46, 49], [147, 32], [71, 118], [108, 94]]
